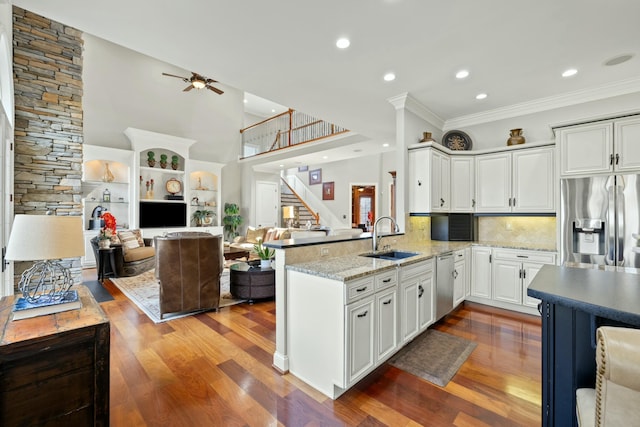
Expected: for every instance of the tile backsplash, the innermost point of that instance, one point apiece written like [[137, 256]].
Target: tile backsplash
[[517, 229]]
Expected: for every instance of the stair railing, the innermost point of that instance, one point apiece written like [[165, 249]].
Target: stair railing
[[315, 215], [285, 130]]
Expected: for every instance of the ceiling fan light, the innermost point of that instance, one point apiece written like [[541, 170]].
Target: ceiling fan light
[[198, 84]]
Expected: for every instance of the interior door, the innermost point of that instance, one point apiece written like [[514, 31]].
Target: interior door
[[6, 201], [267, 204]]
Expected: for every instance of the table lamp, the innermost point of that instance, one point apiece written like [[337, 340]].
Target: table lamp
[[288, 214], [45, 239]]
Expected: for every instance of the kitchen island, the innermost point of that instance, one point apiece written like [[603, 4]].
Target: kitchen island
[[575, 302]]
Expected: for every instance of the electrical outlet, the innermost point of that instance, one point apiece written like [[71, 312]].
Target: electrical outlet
[[324, 251]]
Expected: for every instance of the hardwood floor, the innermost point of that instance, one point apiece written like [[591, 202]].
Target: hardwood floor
[[214, 369]]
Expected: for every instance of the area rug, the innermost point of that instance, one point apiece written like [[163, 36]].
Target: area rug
[[144, 291], [435, 356]]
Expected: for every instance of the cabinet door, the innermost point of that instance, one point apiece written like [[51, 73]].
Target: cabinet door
[[463, 184], [387, 323], [419, 181], [459, 279], [507, 283], [443, 190], [360, 338], [586, 149], [426, 299], [467, 265], [493, 183], [409, 308], [533, 181], [481, 277], [627, 145], [529, 271]]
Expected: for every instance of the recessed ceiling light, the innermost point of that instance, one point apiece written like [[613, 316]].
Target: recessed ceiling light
[[389, 77], [343, 43], [462, 74], [325, 157], [481, 96], [245, 101], [281, 166], [386, 144], [570, 72], [618, 60]]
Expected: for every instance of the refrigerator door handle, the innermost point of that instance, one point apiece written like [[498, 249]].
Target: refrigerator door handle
[[620, 222], [610, 236]]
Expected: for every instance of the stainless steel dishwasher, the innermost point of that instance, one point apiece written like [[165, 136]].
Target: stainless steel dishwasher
[[444, 284]]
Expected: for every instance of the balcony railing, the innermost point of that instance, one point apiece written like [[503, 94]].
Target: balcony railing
[[285, 130]]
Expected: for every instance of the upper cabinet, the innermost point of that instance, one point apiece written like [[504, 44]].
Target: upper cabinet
[[520, 181], [600, 148], [429, 181], [463, 187]]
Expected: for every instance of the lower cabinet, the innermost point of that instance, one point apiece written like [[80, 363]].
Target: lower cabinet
[[460, 277], [501, 276], [361, 338], [417, 289], [387, 323]]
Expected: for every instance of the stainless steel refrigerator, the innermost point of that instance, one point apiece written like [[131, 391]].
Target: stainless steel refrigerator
[[599, 220]]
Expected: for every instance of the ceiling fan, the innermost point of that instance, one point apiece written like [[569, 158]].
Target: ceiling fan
[[197, 81]]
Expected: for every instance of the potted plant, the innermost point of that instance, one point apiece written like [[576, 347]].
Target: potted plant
[[264, 253], [163, 161], [151, 159], [232, 220], [109, 229], [174, 162], [200, 217]]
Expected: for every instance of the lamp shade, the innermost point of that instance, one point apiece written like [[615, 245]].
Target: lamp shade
[[288, 212], [42, 237]]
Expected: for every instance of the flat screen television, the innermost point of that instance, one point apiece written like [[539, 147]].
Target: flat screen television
[[162, 215]]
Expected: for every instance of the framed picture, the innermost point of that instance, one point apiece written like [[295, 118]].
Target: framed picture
[[303, 168], [315, 176], [327, 190]]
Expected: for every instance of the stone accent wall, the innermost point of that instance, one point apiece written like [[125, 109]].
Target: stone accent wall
[[47, 66]]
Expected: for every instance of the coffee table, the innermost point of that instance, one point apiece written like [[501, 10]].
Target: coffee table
[[249, 281], [235, 253]]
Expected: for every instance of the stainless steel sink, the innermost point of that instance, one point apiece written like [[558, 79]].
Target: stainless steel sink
[[391, 255]]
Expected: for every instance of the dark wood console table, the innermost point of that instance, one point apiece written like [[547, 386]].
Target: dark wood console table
[[54, 369], [575, 302]]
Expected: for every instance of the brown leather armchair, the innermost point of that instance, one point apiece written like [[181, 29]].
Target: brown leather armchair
[[616, 399], [188, 268]]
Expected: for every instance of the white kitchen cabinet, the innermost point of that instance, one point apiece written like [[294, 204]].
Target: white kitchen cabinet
[[600, 148], [481, 272], [459, 277], [463, 178], [521, 181], [513, 271], [387, 323], [361, 338], [429, 181], [417, 289], [467, 263]]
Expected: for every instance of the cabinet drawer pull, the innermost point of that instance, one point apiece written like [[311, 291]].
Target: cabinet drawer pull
[[419, 183], [421, 291], [363, 314], [386, 280], [617, 158], [522, 256], [387, 302], [611, 159], [364, 288]]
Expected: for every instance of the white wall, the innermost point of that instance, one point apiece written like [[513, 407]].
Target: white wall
[[123, 88]]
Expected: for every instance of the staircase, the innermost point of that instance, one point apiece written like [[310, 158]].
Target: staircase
[[288, 199]]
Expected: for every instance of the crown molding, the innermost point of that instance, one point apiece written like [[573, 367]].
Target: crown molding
[[622, 87], [408, 102]]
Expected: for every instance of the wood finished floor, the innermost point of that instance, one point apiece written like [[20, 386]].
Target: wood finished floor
[[214, 369]]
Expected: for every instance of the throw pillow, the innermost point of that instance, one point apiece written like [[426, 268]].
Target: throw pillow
[[129, 240], [254, 234]]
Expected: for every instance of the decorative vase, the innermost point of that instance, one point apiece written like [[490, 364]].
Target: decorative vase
[[174, 166], [265, 263], [104, 243], [426, 137], [108, 176], [163, 164], [516, 137]]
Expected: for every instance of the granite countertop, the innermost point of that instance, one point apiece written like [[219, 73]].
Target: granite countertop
[[345, 268], [609, 294]]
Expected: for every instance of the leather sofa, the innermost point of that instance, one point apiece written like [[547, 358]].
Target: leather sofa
[[188, 268], [616, 399], [127, 262]]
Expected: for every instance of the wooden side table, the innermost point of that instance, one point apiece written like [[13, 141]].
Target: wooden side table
[[105, 255], [250, 282], [54, 369]]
